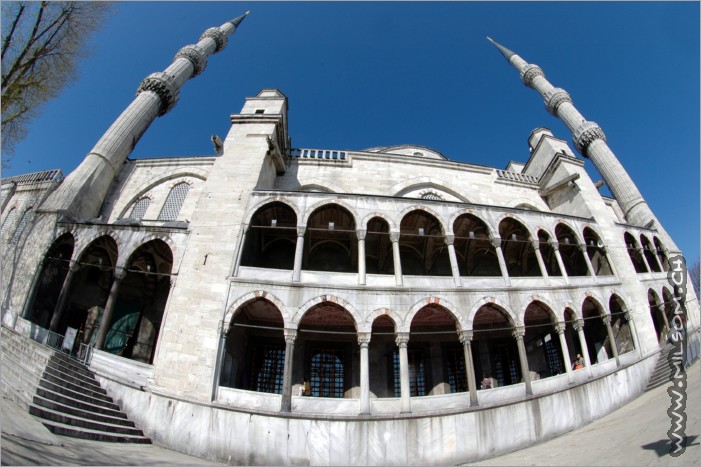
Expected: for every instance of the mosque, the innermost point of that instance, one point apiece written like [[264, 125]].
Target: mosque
[[278, 305]]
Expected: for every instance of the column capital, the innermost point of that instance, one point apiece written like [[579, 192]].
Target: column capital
[[361, 233], [74, 265], [606, 319], [554, 245], [364, 339], [627, 315], [559, 327], [119, 273], [496, 242], [290, 335], [578, 324], [449, 239], [518, 333], [394, 236], [301, 230], [401, 339], [466, 337], [535, 243]]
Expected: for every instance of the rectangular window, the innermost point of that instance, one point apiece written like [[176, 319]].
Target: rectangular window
[[326, 373], [417, 373], [268, 368], [457, 375]]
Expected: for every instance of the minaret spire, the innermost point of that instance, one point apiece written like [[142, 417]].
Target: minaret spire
[[588, 138], [83, 191]]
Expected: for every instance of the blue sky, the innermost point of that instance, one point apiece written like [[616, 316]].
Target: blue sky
[[366, 74]]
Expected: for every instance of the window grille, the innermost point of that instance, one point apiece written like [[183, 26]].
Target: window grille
[[326, 373], [553, 355], [457, 376], [431, 197], [8, 222], [268, 368], [140, 208], [417, 373], [20, 227], [175, 200]]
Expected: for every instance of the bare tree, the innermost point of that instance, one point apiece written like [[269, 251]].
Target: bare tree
[[42, 43]]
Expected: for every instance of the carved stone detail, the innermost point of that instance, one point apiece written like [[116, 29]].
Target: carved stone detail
[[402, 339], [164, 86], [529, 75], [585, 134], [196, 56], [606, 319], [290, 335], [518, 333], [465, 337], [554, 98], [559, 327], [578, 325], [364, 338], [496, 242], [217, 35]]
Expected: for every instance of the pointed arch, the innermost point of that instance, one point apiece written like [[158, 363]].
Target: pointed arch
[[301, 311], [251, 296], [433, 300]]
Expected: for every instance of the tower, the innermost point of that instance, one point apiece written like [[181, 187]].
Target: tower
[[83, 191], [590, 141]]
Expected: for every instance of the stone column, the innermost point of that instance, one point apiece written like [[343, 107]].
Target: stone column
[[518, 334], [590, 267], [605, 251], [239, 254], [657, 258], [364, 342], [220, 361], [556, 248], [541, 263], [361, 255], [612, 339], [449, 240], [496, 242], [33, 289], [560, 330], [119, 275], [640, 251], [634, 331], [402, 340], [299, 251], [63, 296], [466, 339], [394, 237], [579, 327], [286, 404]]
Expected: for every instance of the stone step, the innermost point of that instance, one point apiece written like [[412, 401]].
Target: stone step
[[114, 417], [74, 365], [95, 435], [75, 395], [84, 389], [54, 416], [74, 378], [112, 410]]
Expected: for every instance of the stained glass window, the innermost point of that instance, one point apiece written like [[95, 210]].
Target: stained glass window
[[140, 208], [22, 224], [175, 200], [8, 222]]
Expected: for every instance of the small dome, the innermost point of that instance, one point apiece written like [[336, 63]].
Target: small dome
[[408, 150]]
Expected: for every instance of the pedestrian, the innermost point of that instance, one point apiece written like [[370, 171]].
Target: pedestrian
[[486, 382], [578, 364]]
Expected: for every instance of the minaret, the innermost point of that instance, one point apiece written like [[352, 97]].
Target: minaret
[[82, 192], [589, 139]]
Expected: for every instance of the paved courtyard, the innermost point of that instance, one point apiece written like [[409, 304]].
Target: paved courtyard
[[635, 434]]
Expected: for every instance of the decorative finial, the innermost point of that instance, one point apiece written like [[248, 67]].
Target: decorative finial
[[237, 21], [504, 51]]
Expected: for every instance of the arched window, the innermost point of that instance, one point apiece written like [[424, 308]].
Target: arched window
[[8, 221], [140, 208], [634, 252], [174, 201], [22, 224]]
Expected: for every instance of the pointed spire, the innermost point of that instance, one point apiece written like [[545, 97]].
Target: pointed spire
[[504, 51], [237, 21]]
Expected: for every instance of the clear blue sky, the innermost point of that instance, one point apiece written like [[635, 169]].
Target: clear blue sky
[[372, 74]]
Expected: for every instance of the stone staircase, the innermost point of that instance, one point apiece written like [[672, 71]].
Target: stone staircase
[[661, 373], [61, 392]]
